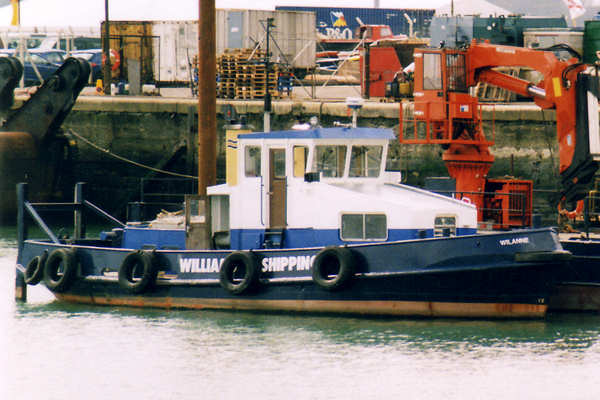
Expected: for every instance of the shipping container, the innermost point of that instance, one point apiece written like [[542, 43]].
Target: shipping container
[[132, 41], [175, 49], [342, 22], [461, 30]]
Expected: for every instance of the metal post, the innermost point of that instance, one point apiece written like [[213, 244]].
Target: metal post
[[78, 213], [367, 73], [207, 102], [267, 102], [106, 74], [20, 285], [207, 109]]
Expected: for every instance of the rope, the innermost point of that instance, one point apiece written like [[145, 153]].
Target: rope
[[118, 157]]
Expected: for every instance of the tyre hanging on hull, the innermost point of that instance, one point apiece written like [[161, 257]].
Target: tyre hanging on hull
[[60, 270], [239, 272], [334, 268], [138, 272], [34, 272]]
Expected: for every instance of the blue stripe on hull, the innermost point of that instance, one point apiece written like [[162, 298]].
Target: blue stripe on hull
[[306, 237]]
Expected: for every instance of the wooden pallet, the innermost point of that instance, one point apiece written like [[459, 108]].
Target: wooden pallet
[[242, 75]]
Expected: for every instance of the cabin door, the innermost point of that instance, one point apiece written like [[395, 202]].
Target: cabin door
[[277, 188]]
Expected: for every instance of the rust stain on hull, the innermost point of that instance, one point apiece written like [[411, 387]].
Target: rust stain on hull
[[390, 308]]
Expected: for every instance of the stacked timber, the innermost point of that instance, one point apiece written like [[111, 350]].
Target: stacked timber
[[242, 74]]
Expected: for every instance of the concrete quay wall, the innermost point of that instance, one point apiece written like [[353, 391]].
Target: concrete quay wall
[[149, 130]]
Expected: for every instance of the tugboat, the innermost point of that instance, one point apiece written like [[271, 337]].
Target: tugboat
[[308, 221]]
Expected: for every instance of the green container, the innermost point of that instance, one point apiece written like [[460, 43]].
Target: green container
[[591, 41]]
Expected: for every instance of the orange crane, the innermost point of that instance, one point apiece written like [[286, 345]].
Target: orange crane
[[446, 112]]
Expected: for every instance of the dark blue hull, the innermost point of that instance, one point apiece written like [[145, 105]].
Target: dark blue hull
[[497, 275], [579, 284]]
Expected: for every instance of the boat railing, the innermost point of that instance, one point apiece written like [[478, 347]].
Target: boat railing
[[77, 206], [158, 194]]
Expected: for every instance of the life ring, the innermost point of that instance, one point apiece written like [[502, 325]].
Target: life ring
[[239, 272], [571, 214], [34, 272], [138, 271], [333, 267], [60, 269], [115, 59]]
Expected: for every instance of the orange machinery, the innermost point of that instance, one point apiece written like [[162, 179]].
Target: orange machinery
[[446, 112]]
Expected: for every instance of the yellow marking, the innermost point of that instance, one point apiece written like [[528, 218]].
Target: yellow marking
[[556, 84]]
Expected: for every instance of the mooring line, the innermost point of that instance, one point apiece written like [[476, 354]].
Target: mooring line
[[121, 158]]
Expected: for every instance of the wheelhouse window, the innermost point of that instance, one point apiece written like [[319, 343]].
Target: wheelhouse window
[[300, 156], [329, 160], [278, 163], [365, 161], [252, 161], [444, 226], [432, 71], [364, 227]]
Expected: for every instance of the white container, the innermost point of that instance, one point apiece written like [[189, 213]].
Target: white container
[[174, 50], [293, 38]]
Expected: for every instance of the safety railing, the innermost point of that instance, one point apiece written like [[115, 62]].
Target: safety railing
[[425, 122], [157, 194], [499, 210]]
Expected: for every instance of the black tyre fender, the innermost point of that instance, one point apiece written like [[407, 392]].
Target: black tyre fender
[[60, 269], [334, 267], [34, 272], [233, 266], [138, 271]]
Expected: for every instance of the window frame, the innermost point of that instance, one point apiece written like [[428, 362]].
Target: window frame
[[438, 230], [256, 174], [364, 227]]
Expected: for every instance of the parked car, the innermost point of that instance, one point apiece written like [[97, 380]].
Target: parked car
[[45, 61], [94, 57]]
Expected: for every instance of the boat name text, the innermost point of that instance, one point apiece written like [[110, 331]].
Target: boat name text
[[269, 264], [513, 241]]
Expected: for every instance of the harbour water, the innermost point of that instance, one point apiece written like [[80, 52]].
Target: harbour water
[[58, 351]]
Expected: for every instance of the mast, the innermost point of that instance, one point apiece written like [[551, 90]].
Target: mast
[[207, 102]]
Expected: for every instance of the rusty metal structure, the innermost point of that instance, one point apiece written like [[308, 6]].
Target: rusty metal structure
[[32, 144]]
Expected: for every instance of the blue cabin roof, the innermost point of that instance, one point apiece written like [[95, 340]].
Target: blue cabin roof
[[324, 133]]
